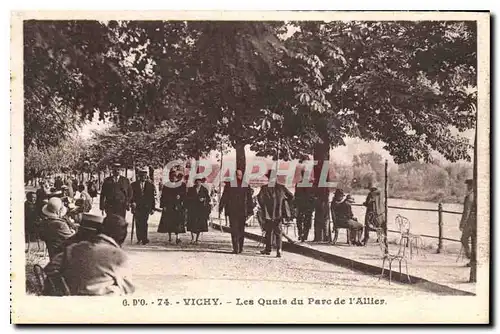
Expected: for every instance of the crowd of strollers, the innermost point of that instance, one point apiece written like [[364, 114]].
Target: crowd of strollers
[[85, 254]]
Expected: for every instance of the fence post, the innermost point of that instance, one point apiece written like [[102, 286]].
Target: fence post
[[440, 225]]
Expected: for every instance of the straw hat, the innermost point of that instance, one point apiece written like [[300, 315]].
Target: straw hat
[[54, 208]]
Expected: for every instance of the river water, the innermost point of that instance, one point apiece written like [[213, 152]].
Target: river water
[[421, 222]]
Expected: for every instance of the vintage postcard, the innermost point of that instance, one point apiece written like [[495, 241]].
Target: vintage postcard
[[250, 167]]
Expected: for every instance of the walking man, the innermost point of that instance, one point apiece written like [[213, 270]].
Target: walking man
[[273, 202], [468, 221], [238, 205], [143, 204], [116, 193], [304, 202]]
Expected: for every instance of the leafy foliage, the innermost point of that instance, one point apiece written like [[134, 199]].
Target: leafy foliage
[[324, 82]]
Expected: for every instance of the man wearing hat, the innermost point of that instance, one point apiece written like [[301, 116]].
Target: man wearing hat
[[342, 212], [116, 193], [143, 204], [238, 205], [90, 226], [54, 228], [274, 204], [468, 221], [97, 266], [304, 203]]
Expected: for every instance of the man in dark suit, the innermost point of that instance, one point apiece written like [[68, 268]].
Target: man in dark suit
[[116, 193], [143, 204], [304, 203], [238, 204], [274, 205]]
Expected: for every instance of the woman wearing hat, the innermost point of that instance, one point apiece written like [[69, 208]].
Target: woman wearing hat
[[172, 205], [54, 228], [341, 208], [198, 209]]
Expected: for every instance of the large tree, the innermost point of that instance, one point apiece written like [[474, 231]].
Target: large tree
[[408, 84]]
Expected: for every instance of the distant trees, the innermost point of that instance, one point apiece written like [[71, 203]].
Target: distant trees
[[69, 155], [437, 181]]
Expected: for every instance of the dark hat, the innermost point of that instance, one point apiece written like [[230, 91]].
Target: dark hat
[[469, 181], [115, 226], [339, 192], [91, 222]]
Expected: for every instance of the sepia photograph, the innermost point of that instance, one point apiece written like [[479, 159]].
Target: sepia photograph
[[259, 167]]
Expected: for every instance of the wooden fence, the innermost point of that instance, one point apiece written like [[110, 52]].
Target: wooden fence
[[439, 211]]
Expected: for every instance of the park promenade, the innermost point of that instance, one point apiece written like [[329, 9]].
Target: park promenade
[[443, 273]]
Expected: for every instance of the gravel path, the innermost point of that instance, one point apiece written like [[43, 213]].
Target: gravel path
[[210, 268]]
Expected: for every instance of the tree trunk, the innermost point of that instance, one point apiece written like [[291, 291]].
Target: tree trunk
[[152, 173], [321, 154], [240, 156]]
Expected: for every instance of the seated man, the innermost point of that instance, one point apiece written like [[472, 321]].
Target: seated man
[[54, 227], [97, 267], [341, 208]]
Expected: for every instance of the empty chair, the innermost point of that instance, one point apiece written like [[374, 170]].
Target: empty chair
[[407, 239], [390, 258]]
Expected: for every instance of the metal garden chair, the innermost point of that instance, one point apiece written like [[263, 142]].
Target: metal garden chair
[[408, 239], [390, 258]]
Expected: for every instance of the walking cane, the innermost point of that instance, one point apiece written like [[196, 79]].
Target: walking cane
[[132, 232]]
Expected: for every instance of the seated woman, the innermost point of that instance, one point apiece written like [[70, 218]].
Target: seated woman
[[54, 227], [341, 208]]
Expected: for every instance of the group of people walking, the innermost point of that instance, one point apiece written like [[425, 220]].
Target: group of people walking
[[180, 205], [183, 206]]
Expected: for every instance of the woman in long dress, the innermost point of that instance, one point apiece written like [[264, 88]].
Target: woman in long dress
[[198, 209], [173, 212]]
